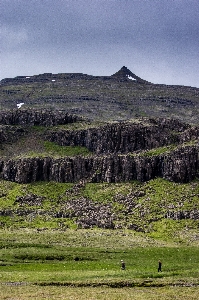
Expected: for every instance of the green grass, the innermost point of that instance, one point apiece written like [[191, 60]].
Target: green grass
[[24, 292], [55, 149], [144, 205], [85, 264], [50, 149], [49, 190], [92, 257], [105, 192], [158, 151], [162, 150], [34, 144]]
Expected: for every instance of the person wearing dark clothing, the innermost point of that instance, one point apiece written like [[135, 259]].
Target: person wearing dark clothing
[[123, 266], [159, 266]]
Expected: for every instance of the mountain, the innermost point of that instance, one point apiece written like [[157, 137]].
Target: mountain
[[86, 151], [119, 97], [125, 74]]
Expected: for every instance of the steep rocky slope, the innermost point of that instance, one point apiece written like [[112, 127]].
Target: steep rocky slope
[[142, 150]]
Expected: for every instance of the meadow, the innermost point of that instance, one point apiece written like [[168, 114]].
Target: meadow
[[86, 264], [45, 256]]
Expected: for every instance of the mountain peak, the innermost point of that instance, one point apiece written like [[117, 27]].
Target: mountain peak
[[125, 74], [125, 69]]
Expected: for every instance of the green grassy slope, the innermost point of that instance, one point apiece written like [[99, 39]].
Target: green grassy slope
[[151, 208], [33, 143], [92, 258]]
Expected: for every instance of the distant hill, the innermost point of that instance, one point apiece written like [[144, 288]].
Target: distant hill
[[119, 97]]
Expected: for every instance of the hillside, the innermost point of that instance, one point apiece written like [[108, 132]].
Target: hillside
[[121, 96], [61, 171], [111, 152]]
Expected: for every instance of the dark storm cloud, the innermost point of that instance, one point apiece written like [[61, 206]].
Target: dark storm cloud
[[157, 40]]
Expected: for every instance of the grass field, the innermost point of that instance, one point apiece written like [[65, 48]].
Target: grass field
[[85, 264], [101, 293], [44, 257]]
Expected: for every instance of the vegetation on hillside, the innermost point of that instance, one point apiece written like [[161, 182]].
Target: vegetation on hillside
[[34, 144], [48, 263], [158, 208]]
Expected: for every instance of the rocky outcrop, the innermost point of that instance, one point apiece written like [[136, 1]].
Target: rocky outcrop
[[115, 148], [125, 137], [37, 118], [89, 214], [110, 138], [125, 74], [8, 134], [180, 215], [122, 137], [181, 165], [29, 200]]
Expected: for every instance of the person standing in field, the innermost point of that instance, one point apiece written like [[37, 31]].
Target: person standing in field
[[123, 266], [159, 266]]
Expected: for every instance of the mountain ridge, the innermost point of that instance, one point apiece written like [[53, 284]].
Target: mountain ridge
[[122, 74], [119, 97]]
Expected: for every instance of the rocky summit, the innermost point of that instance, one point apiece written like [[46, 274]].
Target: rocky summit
[[124, 74]]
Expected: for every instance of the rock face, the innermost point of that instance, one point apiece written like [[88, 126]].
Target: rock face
[[181, 165], [14, 123], [125, 137], [120, 150], [36, 118], [8, 135]]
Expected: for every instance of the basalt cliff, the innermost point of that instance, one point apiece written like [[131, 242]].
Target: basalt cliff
[[118, 152]]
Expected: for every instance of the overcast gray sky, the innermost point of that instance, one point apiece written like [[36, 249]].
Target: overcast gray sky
[[157, 40]]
